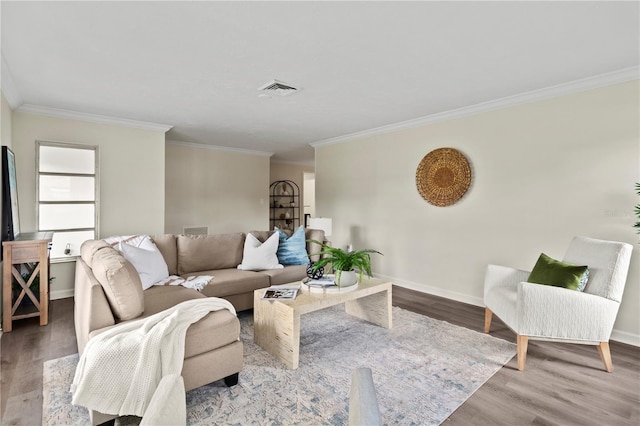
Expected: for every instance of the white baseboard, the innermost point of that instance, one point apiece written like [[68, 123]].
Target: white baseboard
[[61, 294], [625, 337], [616, 335], [458, 297]]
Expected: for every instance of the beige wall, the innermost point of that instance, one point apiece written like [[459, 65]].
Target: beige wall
[[293, 172], [542, 173], [5, 123], [224, 190], [6, 115], [131, 177]]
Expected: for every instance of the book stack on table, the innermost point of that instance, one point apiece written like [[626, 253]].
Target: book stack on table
[[325, 284], [281, 292]]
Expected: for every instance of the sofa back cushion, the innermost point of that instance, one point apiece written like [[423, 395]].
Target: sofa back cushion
[[120, 281], [209, 252], [167, 246], [262, 236], [89, 248]]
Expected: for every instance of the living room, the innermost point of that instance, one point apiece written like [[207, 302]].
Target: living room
[[551, 162]]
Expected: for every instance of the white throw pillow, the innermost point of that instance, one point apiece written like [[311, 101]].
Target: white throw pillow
[[132, 240], [260, 256], [147, 260]]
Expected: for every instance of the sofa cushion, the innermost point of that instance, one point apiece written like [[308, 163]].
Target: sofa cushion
[[227, 282], [216, 329], [167, 246], [290, 274], [120, 281], [209, 252], [89, 248], [262, 235], [159, 298]]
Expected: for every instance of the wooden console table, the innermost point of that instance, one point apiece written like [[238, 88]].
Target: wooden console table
[[26, 256]]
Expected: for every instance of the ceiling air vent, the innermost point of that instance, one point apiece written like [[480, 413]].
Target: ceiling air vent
[[195, 230], [278, 87]]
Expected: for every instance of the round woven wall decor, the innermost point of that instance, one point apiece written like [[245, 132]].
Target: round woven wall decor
[[443, 176]]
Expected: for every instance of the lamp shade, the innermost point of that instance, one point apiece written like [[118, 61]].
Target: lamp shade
[[323, 223]]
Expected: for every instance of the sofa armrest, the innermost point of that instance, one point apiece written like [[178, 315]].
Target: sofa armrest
[[91, 307]]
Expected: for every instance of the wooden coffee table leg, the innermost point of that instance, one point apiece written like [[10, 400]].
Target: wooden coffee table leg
[[375, 308], [277, 331]]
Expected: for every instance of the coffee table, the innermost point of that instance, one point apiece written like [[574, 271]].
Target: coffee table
[[276, 323]]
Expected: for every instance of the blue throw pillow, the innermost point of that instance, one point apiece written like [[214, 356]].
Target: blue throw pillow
[[292, 250]]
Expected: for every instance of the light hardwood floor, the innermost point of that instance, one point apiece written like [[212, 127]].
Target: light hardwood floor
[[562, 384]]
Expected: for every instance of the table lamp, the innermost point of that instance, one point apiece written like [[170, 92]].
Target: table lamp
[[323, 223]]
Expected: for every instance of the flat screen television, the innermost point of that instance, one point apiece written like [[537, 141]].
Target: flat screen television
[[10, 217]]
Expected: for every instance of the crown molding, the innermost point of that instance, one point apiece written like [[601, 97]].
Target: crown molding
[[221, 148], [602, 80], [295, 163], [8, 85], [93, 118]]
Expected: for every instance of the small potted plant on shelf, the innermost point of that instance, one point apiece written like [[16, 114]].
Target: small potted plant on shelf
[[345, 263]]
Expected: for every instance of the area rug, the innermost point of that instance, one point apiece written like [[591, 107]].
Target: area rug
[[423, 369]]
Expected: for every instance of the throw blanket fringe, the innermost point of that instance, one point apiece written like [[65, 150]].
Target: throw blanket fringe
[[121, 369], [196, 283]]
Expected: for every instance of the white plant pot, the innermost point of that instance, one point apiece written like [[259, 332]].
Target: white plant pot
[[346, 278]]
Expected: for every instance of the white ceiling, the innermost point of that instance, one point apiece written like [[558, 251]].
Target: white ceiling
[[197, 65]]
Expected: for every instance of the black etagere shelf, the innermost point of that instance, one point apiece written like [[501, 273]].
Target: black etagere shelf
[[284, 205]]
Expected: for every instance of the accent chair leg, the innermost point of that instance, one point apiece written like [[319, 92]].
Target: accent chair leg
[[605, 355], [523, 343], [487, 319], [231, 380]]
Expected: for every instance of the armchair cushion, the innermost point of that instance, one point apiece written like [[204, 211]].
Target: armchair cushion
[[608, 264], [549, 271]]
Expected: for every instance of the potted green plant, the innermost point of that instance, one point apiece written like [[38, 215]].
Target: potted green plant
[[345, 263]]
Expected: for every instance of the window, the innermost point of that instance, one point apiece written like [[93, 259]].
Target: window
[[67, 193]]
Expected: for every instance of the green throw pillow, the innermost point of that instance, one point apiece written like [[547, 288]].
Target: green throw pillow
[[549, 271]]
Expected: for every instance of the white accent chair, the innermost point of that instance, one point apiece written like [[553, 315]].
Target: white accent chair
[[543, 312]]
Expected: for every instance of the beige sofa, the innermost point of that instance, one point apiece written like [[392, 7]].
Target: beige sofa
[[219, 255], [108, 291]]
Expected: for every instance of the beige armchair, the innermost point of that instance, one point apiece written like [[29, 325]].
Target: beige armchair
[[544, 312]]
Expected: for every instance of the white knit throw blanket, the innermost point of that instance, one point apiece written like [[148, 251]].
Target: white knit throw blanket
[[134, 368]]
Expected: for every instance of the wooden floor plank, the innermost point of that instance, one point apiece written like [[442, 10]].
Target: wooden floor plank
[[562, 385]]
